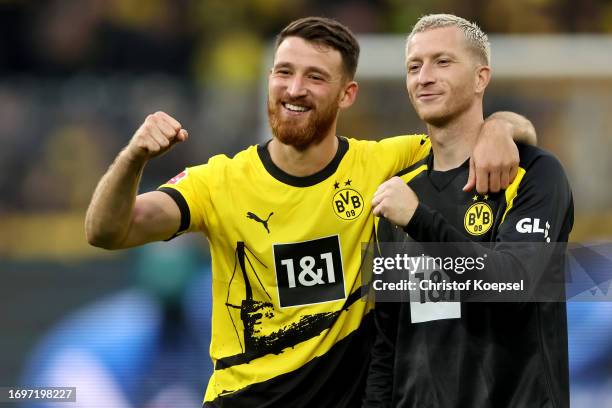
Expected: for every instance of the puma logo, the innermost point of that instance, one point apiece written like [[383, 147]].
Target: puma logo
[[257, 219]]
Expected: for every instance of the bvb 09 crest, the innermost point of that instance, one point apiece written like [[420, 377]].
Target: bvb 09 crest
[[478, 218], [348, 204]]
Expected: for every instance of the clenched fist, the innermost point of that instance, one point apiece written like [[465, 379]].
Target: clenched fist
[[395, 201], [158, 133]]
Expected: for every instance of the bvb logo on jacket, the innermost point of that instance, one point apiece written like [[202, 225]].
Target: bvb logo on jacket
[[478, 217]]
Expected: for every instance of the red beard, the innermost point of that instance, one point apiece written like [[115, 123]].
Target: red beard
[[301, 136]]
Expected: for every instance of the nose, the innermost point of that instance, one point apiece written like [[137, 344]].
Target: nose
[[296, 87], [426, 75]]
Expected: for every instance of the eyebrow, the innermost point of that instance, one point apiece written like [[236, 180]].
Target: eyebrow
[[285, 64], [434, 56]]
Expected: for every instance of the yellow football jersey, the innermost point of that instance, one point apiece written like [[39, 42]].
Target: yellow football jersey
[[286, 256]]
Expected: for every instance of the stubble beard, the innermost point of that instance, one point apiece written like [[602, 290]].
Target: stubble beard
[[302, 136], [446, 114]]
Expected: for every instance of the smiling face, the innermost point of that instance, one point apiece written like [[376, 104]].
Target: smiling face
[[306, 88], [444, 76]]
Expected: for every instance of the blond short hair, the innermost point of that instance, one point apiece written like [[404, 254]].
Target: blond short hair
[[477, 40]]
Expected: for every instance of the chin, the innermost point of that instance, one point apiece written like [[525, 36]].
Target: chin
[[433, 118], [300, 137]]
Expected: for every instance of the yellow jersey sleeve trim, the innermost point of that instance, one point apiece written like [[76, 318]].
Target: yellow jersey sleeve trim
[[512, 191], [412, 174]]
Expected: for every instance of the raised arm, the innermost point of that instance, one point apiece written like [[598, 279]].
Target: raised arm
[[118, 218], [495, 158]]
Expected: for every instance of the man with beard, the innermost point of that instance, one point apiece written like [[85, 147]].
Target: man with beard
[[285, 221], [489, 350]]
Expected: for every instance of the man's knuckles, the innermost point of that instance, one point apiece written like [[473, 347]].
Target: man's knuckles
[[163, 116], [149, 130]]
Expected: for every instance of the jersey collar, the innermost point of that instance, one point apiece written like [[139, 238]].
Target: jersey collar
[[295, 181], [441, 179]]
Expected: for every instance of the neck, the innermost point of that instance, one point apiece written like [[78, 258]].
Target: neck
[[453, 142], [302, 163]]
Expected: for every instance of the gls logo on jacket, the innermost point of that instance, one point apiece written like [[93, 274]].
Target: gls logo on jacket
[[532, 226]]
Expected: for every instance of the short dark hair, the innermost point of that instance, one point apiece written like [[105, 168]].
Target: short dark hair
[[327, 32]]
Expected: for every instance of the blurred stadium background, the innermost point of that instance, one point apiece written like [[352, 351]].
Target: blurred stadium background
[[77, 77]]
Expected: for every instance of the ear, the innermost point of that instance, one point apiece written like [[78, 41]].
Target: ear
[[349, 94], [483, 76]]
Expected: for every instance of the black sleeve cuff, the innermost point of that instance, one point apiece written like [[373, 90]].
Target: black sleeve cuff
[[183, 207], [421, 221]]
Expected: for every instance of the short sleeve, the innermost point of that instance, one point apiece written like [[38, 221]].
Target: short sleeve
[[396, 153], [190, 189]]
